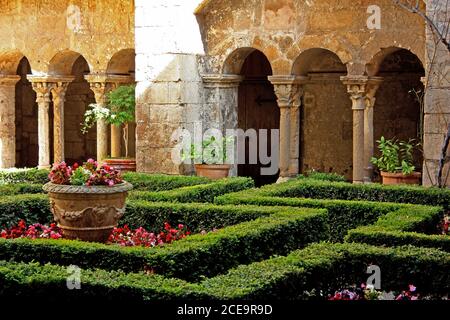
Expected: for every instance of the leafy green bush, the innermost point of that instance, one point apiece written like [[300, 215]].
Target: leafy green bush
[[343, 214], [404, 227], [31, 208], [309, 188], [334, 177], [161, 182], [189, 258], [22, 188], [326, 267], [49, 282], [199, 193], [31, 176]]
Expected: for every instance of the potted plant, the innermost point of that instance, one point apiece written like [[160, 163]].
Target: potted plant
[[396, 162], [119, 112], [87, 201], [210, 157]]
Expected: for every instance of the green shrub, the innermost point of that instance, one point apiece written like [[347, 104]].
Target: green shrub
[[161, 182], [15, 189], [343, 214], [31, 208], [32, 176], [199, 193], [309, 188], [326, 267], [189, 258], [334, 177], [405, 227], [49, 282]]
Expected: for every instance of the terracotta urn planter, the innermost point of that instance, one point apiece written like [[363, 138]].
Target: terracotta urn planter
[[87, 213], [213, 171], [122, 165], [400, 178]]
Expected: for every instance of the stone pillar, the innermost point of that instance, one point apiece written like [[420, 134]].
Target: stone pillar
[[288, 92], [43, 89], [7, 121], [221, 107], [356, 87], [116, 141], [59, 97], [372, 87]]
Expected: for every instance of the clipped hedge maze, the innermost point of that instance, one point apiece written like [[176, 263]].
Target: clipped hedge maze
[[299, 240]]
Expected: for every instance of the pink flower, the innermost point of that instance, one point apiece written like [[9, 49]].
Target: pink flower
[[412, 288]]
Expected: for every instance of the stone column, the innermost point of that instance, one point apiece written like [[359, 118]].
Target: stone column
[[7, 121], [356, 87], [221, 107], [43, 89], [372, 87], [288, 92], [116, 141], [59, 97]]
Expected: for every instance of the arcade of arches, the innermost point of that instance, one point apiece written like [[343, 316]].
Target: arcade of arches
[[311, 69], [42, 115]]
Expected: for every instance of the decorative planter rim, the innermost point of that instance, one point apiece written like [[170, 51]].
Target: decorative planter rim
[[213, 166], [62, 188], [399, 174]]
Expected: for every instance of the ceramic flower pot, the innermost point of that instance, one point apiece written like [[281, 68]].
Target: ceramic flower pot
[[400, 178], [87, 213], [122, 165], [213, 171]]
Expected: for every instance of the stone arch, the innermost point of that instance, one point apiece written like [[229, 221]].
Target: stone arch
[[122, 63], [62, 63], [317, 60], [398, 111], [26, 118], [376, 58], [9, 62], [326, 115], [235, 60]]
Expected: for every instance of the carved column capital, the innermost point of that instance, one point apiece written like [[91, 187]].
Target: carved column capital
[[43, 88], [288, 89], [101, 84]]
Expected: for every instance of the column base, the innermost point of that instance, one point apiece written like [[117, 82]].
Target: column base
[[47, 167]]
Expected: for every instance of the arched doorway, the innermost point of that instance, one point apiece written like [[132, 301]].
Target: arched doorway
[[326, 114], [398, 112], [27, 147], [123, 64], [78, 147], [257, 109]]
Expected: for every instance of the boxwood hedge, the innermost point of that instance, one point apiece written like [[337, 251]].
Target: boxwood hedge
[[189, 258], [199, 193]]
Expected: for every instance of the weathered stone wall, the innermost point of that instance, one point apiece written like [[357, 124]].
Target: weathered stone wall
[[437, 107]]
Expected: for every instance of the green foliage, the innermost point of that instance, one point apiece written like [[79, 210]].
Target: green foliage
[[80, 176], [334, 177], [189, 258], [161, 182], [308, 188], [199, 193], [395, 156], [324, 267], [49, 282], [122, 105], [212, 150], [412, 226], [31, 208], [22, 188], [31, 176]]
